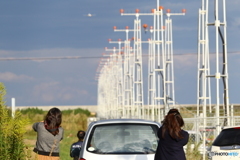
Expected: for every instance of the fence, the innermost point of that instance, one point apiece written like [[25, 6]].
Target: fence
[[200, 133]]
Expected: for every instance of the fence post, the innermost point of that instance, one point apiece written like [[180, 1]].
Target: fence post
[[13, 107]]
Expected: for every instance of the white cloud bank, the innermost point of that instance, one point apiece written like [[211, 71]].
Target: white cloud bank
[[12, 77]]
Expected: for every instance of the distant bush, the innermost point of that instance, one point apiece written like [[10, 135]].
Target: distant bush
[[67, 112], [76, 111], [12, 131], [32, 111], [72, 118], [33, 114], [82, 111], [72, 121]]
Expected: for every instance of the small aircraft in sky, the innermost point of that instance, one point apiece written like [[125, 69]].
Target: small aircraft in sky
[[89, 15]]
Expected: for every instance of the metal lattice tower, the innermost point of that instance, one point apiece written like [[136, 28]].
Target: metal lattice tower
[[127, 74], [170, 89], [151, 82], [128, 100], [104, 89], [120, 82], [203, 84], [101, 90], [204, 89], [116, 73], [158, 64], [161, 72], [138, 101], [141, 111], [138, 78], [204, 72]]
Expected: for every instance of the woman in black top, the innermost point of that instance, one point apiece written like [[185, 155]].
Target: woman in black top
[[172, 138]]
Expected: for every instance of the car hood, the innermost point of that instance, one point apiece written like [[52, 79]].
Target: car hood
[[121, 157]]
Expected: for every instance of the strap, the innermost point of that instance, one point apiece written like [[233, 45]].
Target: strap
[[53, 146]]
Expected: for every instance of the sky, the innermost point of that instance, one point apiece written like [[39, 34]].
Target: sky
[[40, 36]]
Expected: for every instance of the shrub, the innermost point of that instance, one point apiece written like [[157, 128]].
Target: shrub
[[12, 130], [82, 111], [67, 112], [33, 111], [192, 150]]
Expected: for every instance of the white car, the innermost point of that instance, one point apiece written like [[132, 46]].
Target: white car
[[226, 145], [120, 139]]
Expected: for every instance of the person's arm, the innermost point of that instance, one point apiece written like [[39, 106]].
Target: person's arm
[[34, 126], [62, 134], [70, 151], [159, 132], [185, 139]]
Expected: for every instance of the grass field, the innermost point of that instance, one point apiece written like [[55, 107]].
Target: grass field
[[72, 121]]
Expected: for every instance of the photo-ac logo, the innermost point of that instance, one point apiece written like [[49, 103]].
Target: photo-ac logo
[[233, 154]]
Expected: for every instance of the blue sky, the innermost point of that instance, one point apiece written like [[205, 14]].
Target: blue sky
[[60, 28]]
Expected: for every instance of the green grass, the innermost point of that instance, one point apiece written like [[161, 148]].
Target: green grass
[[66, 144], [72, 121]]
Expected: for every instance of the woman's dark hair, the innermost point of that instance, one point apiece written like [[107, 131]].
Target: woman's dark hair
[[172, 124], [53, 120]]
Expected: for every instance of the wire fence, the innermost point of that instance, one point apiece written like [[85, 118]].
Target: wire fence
[[202, 130]]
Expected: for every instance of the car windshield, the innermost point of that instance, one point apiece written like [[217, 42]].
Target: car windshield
[[123, 139], [228, 137]]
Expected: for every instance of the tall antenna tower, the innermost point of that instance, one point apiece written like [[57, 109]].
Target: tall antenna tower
[[204, 72], [158, 63], [119, 72], [160, 67], [138, 101], [170, 89], [151, 76], [105, 90], [116, 83], [127, 74]]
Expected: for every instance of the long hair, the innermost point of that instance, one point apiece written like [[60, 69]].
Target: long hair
[[53, 120], [172, 124]]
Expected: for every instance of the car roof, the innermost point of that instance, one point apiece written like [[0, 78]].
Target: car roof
[[112, 121], [191, 131], [228, 127]]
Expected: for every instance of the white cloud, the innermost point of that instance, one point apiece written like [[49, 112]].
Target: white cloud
[[57, 92], [232, 5], [185, 61], [236, 22], [8, 76], [53, 52]]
